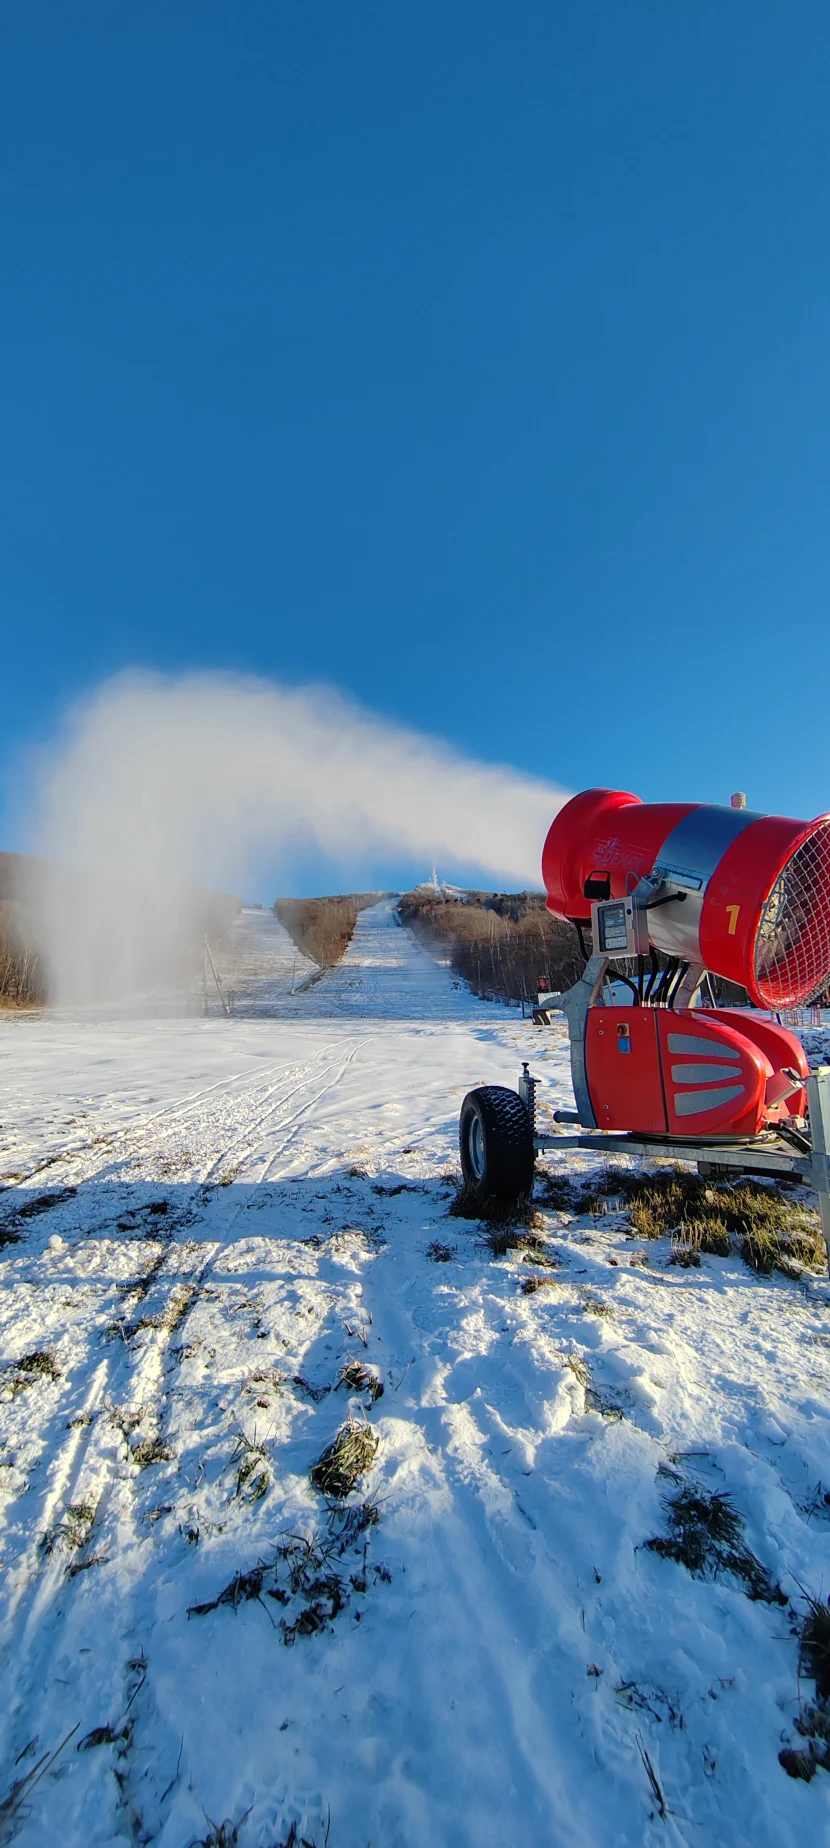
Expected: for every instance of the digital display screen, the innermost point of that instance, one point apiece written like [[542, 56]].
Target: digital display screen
[[613, 929]]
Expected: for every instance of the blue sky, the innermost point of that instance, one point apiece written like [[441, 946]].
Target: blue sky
[[475, 358]]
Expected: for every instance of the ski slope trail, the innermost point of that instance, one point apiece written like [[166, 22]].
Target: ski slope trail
[[219, 1239], [384, 974], [258, 965]]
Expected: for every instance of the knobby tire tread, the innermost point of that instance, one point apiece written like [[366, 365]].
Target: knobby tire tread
[[508, 1138]]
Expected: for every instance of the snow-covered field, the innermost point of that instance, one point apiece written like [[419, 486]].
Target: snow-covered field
[[211, 1219]]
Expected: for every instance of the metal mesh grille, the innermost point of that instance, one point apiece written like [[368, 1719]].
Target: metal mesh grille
[[792, 948]]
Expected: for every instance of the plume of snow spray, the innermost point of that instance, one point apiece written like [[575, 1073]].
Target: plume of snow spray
[[161, 784]]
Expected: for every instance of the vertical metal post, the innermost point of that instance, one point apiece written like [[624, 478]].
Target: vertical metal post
[[818, 1103], [527, 1092], [204, 977], [575, 1004], [219, 988]]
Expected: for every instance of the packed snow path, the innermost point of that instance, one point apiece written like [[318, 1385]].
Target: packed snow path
[[209, 1220], [385, 974]]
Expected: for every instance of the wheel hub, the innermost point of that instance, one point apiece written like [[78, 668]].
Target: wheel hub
[[477, 1148]]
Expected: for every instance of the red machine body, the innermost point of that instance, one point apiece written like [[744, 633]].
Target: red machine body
[[691, 1072], [743, 895], [752, 892]]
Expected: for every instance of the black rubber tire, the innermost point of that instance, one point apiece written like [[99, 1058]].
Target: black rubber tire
[[495, 1141]]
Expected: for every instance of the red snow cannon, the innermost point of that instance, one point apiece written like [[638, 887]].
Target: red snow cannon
[[676, 893], [743, 895]]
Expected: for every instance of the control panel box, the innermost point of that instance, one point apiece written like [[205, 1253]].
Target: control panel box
[[620, 927]]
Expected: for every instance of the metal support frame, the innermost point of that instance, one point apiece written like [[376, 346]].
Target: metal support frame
[[753, 1156], [818, 1104], [575, 1004]]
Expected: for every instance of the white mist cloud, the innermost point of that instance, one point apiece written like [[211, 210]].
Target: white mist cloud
[[158, 783]]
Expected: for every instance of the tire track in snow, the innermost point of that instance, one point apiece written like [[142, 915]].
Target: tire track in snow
[[42, 1610], [113, 1377], [488, 1572], [151, 1139], [180, 1108], [248, 1140], [241, 1090], [293, 1122]]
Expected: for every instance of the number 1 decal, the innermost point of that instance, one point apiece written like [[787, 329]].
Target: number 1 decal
[[734, 914]]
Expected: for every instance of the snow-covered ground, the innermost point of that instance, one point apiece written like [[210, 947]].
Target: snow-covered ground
[[211, 1218]]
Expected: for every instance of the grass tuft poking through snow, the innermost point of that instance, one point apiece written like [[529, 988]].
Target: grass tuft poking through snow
[[293, 1840], [814, 1638], [813, 1722], [501, 1239], [253, 1475], [706, 1536], [104, 1735], [222, 1834], [345, 1460], [305, 1575], [533, 1283], [151, 1450], [309, 1390], [41, 1362], [488, 1209], [21, 1374], [357, 1378], [554, 1191], [15, 1806], [73, 1531]]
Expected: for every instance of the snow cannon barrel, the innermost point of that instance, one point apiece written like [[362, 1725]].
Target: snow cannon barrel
[[745, 895]]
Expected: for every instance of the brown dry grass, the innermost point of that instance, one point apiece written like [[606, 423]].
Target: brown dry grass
[[488, 1209], [304, 1575], [151, 1450], [771, 1230], [322, 927]]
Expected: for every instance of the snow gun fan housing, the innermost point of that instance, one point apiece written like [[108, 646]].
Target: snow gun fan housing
[[743, 895]]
